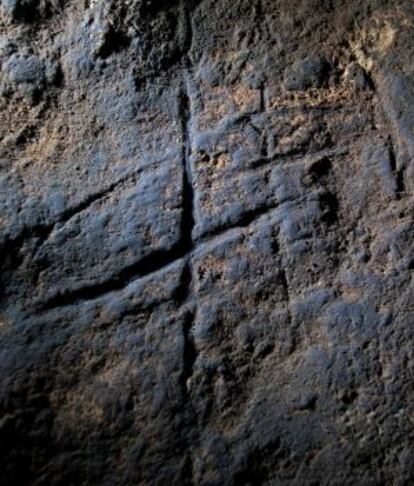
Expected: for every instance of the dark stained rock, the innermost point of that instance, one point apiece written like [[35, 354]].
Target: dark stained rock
[[206, 242]]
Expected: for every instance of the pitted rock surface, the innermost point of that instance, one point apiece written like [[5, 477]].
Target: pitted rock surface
[[206, 242]]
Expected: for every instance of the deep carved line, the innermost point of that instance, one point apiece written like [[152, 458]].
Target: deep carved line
[[187, 226], [148, 265], [187, 219], [398, 173], [262, 99], [182, 292]]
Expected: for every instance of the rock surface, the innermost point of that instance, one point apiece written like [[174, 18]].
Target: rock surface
[[206, 242]]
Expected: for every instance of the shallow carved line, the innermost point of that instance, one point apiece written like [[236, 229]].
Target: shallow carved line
[[43, 231]]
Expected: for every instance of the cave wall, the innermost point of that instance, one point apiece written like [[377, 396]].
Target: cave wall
[[206, 243]]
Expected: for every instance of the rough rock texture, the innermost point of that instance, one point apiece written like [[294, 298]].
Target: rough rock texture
[[206, 242]]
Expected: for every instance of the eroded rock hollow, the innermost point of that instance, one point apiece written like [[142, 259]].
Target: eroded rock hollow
[[206, 246]]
